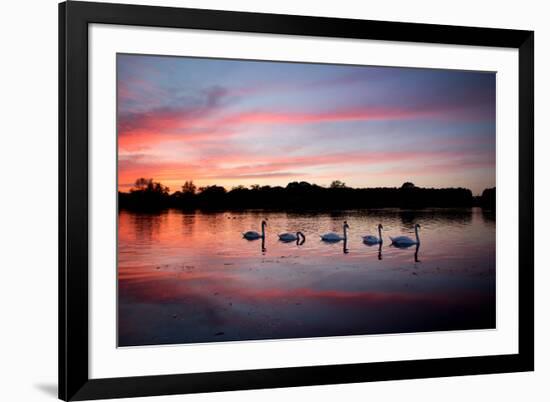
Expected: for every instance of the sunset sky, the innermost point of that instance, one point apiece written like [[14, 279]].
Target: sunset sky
[[232, 122]]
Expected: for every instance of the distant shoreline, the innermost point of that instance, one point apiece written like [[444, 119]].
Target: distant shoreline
[[299, 196], [370, 210]]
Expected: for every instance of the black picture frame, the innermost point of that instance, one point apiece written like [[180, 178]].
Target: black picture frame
[[74, 381]]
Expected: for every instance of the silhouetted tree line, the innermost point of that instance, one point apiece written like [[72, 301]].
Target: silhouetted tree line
[[148, 194], [487, 200]]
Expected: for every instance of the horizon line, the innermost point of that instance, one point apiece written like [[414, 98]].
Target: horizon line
[[250, 187]]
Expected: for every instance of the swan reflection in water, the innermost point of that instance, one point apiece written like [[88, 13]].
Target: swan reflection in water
[[262, 243], [370, 244], [405, 246]]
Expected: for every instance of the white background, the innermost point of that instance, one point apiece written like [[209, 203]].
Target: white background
[[28, 211]]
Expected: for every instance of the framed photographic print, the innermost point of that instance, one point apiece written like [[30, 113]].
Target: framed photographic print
[[257, 200]]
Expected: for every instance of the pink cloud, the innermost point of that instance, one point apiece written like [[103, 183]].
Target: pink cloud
[[230, 166], [351, 114], [141, 130]]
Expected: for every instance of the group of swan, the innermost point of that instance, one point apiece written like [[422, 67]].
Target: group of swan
[[284, 237], [400, 241]]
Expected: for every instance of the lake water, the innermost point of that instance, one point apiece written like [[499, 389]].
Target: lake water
[[187, 277]]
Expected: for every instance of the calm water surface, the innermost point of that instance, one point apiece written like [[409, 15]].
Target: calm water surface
[[187, 277]]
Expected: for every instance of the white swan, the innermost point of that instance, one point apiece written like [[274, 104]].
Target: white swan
[[252, 235], [334, 237], [371, 240], [405, 241], [288, 237]]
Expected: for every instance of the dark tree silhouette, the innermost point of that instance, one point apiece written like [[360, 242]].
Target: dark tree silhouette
[[188, 188], [147, 194], [211, 190], [211, 196], [149, 186], [488, 198], [337, 184]]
